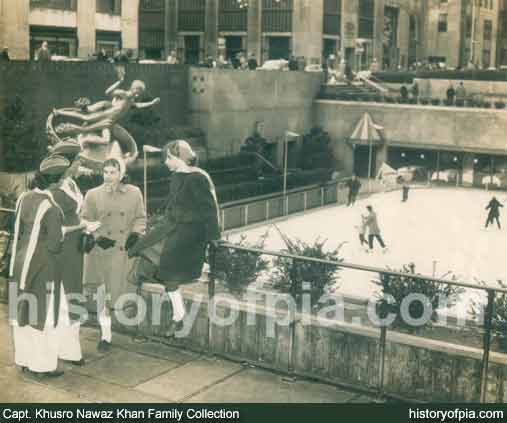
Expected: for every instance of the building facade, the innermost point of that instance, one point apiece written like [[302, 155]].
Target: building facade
[[357, 30], [75, 28], [461, 31]]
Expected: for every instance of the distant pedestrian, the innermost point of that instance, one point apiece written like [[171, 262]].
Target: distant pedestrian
[[172, 59], [43, 54], [461, 92], [354, 186], [373, 229], [252, 62], [405, 189], [415, 90], [293, 63], [451, 93], [404, 92], [361, 229], [494, 212], [4, 55]]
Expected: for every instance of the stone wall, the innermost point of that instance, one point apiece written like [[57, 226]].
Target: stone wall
[[227, 103], [437, 88], [416, 368]]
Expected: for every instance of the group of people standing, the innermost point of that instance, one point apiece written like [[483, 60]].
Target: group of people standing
[[64, 241]]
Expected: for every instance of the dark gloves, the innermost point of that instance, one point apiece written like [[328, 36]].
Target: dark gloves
[[86, 243], [132, 240], [105, 243]]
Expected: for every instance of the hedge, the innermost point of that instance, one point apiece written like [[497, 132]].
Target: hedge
[[466, 75], [395, 77]]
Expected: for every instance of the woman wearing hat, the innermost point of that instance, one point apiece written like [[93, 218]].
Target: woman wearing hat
[[38, 239], [120, 209], [69, 198], [191, 221]]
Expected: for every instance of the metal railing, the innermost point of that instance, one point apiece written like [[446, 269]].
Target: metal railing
[[274, 206], [491, 292]]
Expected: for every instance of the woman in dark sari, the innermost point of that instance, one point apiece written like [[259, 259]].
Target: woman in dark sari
[[190, 222]]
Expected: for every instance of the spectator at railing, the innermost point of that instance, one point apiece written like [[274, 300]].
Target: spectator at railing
[[404, 92], [451, 94], [293, 63], [252, 62], [102, 56], [461, 93], [4, 55], [374, 67], [43, 54], [172, 59], [415, 90], [211, 63], [222, 63]]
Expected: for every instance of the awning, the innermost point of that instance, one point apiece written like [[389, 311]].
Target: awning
[[366, 132]]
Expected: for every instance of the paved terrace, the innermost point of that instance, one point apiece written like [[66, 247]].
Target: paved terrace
[[154, 372]]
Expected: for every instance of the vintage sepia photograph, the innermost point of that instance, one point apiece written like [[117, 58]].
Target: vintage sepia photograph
[[252, 201]]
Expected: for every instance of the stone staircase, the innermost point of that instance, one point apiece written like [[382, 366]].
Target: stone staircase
[[355, 91]]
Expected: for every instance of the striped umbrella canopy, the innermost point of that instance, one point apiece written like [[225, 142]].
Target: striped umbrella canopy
[[366, 131]]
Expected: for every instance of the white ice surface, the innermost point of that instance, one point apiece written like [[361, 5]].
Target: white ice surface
[[445, 225]]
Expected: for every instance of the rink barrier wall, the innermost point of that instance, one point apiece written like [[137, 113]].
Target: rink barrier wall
[[340, 353]]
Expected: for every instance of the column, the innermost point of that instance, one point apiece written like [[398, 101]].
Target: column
[[171, 26], [403, 37], [211, 28], [253, 43], [378, 41], [350, 18], [15, 28], [454, 33], [468, 169], [86, 27], [308, 28], [130, 25]]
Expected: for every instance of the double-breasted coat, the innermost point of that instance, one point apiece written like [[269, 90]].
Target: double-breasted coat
[[120, 212]]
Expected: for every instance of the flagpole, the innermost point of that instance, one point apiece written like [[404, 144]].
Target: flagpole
[[370, 160], [145, 172], [285, 146]]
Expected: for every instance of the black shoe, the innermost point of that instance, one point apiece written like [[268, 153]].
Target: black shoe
[[81, 362], [53, 374], [104, 346], [173, 328]]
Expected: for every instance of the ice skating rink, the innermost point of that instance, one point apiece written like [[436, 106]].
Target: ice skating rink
[[445, 225]]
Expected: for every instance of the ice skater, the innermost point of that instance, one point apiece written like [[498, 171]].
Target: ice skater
[[494, 212], [373, 229], [405, 189], [361, 229]]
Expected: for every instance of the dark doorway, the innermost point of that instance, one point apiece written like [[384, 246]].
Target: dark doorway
[[362, 160], [278, 48], [153, 53], [192, 49], [233, 45]]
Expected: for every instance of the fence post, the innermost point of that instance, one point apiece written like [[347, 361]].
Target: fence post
[[305, 200], [322, 202], [246, 215], [211, 290], [384, 311], [267, 210], [286, 205], [487, 344], [223, 220]]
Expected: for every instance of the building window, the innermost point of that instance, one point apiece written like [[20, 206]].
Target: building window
[[366, 18], [54, 4], [232, 17], [61, 41], [191, 15], [110, 7], [442, 22], [488, 29], [277, 15], [110, 41], [151, 29], [332, 17]]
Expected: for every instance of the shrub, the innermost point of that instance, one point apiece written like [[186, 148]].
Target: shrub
[[399, 287], [291, 276], [316, 151], [424, 101], [395, 77], [435, 101], [241, 268], [412, 101], [460, 103], [448, 102], [390, 100], [499, 105], [499, 320]]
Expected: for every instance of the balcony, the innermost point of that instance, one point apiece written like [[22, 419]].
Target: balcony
[[54, 4]]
